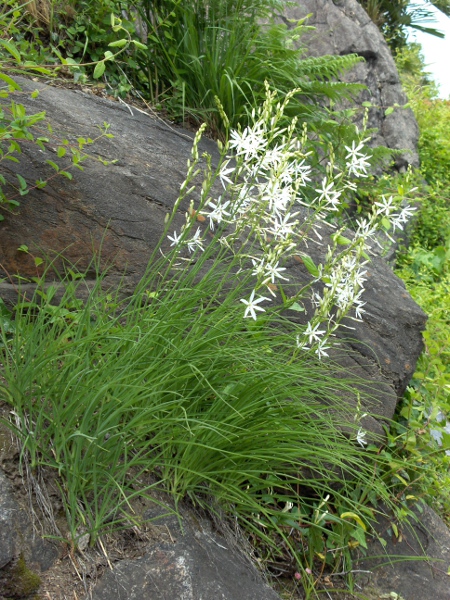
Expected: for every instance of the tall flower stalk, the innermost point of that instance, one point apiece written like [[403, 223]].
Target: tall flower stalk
[[273, 208]]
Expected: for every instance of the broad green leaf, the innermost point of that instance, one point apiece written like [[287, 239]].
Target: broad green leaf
[[296, 306], [99, 69], [72, 62], [340, 239], [389, 111], [140, 45], [309, 264]]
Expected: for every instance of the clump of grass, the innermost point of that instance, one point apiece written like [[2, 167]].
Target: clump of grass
[[219, 397]]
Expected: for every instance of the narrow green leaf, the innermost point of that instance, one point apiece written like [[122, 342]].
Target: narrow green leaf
[[53, 165], [12, 84], [118, 44], [22, 182], [11, 49], [309, 264]]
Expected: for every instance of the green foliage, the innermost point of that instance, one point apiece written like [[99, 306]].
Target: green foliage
[[178, 388], [395, 17], [18, 128], [199, 51], [421, 433], [171, 388], [172, 382], [181, 56]]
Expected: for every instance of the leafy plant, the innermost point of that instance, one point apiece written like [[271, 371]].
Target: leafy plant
[[197, 384], [17, 128], [421, 432], [396, 17]]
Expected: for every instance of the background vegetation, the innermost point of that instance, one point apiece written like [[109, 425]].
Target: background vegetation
[[397, 17], [424, 415]]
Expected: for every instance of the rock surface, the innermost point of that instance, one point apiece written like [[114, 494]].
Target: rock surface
[[120, 210], [7, 510], [415, 564], [343, 27], [195, 564]]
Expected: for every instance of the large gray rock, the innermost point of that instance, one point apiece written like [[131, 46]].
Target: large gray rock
[[7, 514], [120, 210], [343, 27], [195, 564], [414, 564]]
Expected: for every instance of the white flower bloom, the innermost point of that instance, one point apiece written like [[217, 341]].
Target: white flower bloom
[[275, 196], [358, 166], [385, 207], [259, 268], [360, 437], [224, 173], [195, 242], [313, 333], [272, 271], [281, 228], [218, 213], [406, 213], [320, 350], [354, 151], [252, 305], [273, 158], [250, 143], [359, 308], [365, 229], [329, 195], [175, 239]]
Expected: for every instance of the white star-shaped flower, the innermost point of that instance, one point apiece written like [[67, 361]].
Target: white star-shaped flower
[[252, 305], [175, 239]]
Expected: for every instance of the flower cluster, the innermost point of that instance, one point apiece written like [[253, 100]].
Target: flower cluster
[[273, 198]]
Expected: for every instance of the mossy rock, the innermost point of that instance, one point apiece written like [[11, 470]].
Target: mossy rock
[[18, 581]]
